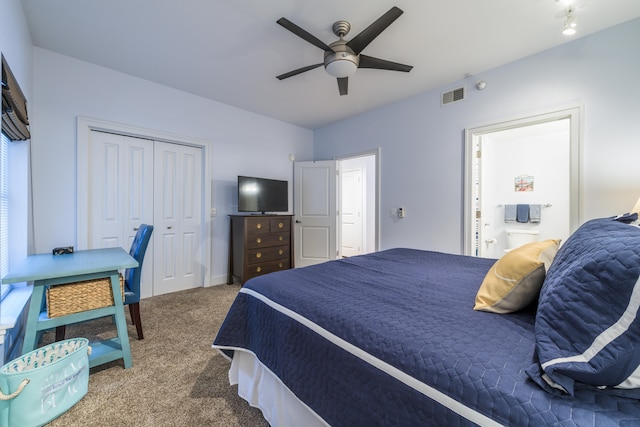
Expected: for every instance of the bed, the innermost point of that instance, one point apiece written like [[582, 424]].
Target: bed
[[410, 337]]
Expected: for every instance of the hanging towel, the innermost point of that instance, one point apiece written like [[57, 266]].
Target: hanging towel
[[535, 213], [522, 213], [509, 213]]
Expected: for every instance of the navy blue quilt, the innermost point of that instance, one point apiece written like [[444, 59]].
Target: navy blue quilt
[[391, 338], [587, 324]]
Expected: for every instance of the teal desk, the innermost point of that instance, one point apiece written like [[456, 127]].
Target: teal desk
[[50, 270]]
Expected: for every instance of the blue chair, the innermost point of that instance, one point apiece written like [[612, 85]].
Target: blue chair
[[131, 280], [132, 275]]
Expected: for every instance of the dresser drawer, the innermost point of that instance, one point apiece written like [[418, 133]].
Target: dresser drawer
[[266, 267], [265, 240], [277, 224], [268, 254], [258, 225]]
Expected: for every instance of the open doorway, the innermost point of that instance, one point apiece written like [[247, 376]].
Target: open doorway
[[318, 214], [357, 208], [532, 162]]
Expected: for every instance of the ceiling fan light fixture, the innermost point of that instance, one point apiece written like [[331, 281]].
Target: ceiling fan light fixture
[[341, 67]]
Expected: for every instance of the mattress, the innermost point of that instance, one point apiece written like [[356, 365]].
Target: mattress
[[391, 338]]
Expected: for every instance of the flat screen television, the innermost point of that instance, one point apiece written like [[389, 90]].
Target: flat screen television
[[261, 195]]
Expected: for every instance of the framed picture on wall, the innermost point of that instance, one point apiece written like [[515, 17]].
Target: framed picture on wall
[[524, 183]]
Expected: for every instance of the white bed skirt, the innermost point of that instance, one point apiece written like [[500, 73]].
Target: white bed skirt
[[264, 390]]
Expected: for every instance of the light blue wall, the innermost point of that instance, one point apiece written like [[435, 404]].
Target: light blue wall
[[242, 143], [422, 143]]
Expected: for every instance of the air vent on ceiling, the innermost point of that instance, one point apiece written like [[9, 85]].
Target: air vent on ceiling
[[454, 95]]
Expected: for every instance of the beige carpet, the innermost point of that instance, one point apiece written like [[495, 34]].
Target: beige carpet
[[177, 379]]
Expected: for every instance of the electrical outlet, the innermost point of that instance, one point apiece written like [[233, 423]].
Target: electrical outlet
[[401, 212]]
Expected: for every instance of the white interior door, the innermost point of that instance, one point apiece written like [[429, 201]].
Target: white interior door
[[315, 212], [178, 217], [121, 194], [351, 212]]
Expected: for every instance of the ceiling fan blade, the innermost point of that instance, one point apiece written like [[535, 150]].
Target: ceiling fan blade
[[298, 71], [382, 64], [362, 40], [343, 85], [304, 34]]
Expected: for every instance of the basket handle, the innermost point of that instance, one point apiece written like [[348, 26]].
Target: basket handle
[[15, 393]]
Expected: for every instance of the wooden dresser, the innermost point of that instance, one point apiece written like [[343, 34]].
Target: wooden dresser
[[259, 244]]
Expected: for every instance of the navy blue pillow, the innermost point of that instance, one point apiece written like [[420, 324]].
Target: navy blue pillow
[[587, 327]]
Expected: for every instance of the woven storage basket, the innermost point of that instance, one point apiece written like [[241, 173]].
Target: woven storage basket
[[80, 296]]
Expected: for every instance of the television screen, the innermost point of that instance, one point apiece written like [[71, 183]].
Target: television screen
[[262, 195]]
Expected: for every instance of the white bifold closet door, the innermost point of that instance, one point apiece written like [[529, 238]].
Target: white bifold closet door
[[121, 195], [135, 181], [178, 217]]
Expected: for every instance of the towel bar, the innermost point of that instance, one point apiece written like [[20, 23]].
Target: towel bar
[[546, 205]]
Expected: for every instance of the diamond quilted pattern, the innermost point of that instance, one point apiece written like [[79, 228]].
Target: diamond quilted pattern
[[412, 311]]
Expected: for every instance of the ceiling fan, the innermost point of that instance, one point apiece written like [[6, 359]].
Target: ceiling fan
[[342, 58]]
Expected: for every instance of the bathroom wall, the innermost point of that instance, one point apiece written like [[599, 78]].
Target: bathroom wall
[[541, 152]]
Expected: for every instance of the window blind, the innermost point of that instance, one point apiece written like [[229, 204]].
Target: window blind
[[4, 212], [15, 122]]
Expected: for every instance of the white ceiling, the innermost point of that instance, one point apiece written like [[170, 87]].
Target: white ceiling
[[231, 50]]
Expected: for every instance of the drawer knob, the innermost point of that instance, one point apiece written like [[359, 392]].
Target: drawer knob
[[280, 265], [280, 238], [258, 269], [280, 252], [259, 240], [280, 225], [259, 255], [258, 226]]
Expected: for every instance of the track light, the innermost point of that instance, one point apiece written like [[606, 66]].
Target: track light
[[570, 23]]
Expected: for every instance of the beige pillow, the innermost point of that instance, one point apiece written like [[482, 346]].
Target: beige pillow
[[514, 281]]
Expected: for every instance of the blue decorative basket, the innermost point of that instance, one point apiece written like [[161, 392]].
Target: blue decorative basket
[[44, 383]]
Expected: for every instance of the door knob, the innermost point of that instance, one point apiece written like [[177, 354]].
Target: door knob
[[298, 221], [168, 227]]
